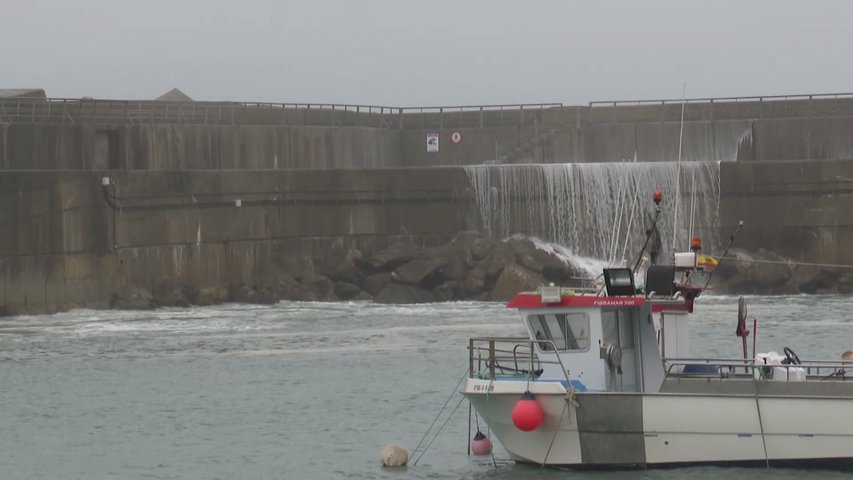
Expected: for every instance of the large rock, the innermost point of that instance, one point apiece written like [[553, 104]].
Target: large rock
[[498, 258], [457, 267], [526, 253], [341, 266], [446, 292], [389, 258], [204, 296], [132, 297], [514, 278], [376, 282], [474, 282], [760, 272], [482, 247], [362, 295], [773, 269], [808, 279], [419, 269], [170, 292], [321, 288], [287, 288], [263, 296], [399, 293], [463, 241], [296, 266], [844, 284], [346, 291], [457, 253], [241, 293], [260, 295], [551, 266]]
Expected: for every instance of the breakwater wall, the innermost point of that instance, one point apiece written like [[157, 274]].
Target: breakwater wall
[[93, 135], [72, 239]]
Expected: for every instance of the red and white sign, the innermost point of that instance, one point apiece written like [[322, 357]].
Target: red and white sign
[[456, 137]]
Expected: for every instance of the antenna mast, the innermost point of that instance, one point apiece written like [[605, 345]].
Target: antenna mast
[[678, 168]]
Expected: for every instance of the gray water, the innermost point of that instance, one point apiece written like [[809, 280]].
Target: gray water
[[300, 390]]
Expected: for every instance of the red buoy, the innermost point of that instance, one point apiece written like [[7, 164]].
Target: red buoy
[[527, 414], [481, 445]]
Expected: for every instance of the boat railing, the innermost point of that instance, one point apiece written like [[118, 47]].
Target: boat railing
[[516, 355], [728, 367]]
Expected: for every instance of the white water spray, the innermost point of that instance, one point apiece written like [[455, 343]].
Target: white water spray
[[588, 207]]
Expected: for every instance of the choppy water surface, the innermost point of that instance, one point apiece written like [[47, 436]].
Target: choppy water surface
[[299, 390]]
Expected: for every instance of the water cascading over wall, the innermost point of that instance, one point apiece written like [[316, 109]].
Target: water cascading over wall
[[600, 210]]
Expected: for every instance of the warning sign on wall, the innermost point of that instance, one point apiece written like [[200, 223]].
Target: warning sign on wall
[[456, 137], [432, 142]]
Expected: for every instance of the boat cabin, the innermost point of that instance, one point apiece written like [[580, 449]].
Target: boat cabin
[[613, 342]]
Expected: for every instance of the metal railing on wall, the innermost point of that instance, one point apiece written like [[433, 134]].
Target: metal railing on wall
[[760, 98], [68, 111], [777, 106], [477, 116]]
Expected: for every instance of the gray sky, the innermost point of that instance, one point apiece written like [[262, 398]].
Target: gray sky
[[401, 52]]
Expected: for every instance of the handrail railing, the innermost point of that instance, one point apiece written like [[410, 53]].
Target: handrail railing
[[493, 359], [69, 110], [65, 110], [755, 98], [475, 108], [814, 367]]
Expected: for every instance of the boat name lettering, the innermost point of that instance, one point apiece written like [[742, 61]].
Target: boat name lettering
[[484, 388], [615, 302]]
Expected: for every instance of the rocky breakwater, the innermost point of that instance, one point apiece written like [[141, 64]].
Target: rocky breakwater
[[471, 267], [763, 272]]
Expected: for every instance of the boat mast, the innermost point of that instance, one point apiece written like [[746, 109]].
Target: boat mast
[[678, 168]]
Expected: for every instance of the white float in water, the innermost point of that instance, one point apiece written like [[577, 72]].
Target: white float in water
[[394, 455]]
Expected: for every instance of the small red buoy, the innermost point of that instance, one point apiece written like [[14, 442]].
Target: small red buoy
[[481, 445], [527, 414]]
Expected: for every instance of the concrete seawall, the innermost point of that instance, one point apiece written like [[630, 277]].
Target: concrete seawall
[[194, 147], [97, 195], [39, 134], [799, 209], [67, 240]]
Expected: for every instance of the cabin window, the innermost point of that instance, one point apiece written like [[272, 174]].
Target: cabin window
[[563, 331], [618, 327]]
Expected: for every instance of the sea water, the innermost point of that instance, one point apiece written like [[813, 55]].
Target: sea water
[[303, 390]]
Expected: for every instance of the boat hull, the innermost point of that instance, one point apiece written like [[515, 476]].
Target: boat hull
[[643, 430]]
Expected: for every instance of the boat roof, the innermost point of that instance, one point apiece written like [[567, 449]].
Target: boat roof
[[533, 300]]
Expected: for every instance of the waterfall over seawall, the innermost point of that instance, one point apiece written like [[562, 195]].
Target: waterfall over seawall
[[600, 210]]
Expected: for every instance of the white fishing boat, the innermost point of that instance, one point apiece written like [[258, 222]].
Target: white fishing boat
[[605, 379]]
